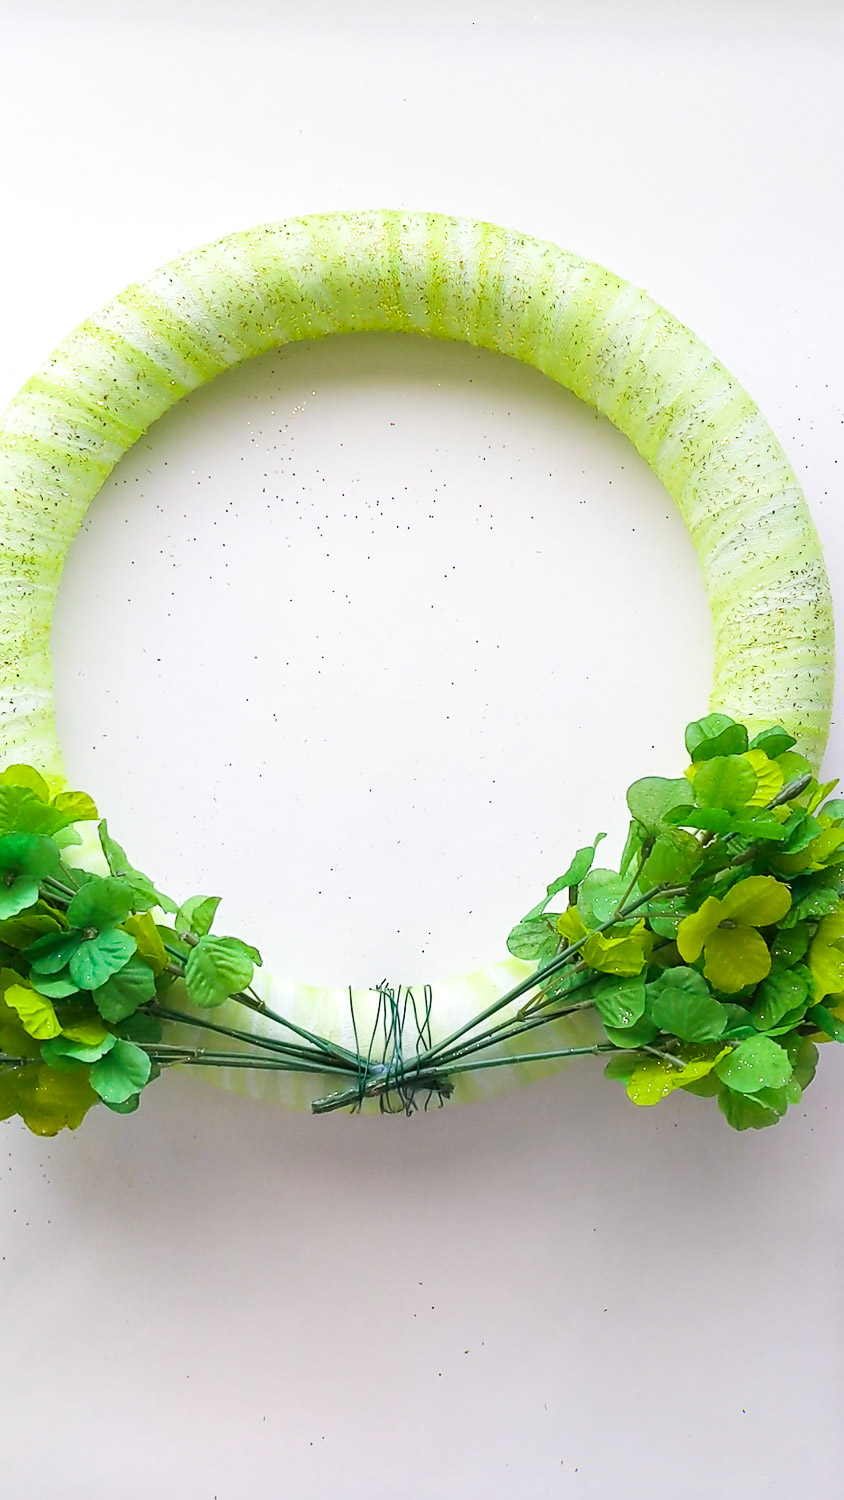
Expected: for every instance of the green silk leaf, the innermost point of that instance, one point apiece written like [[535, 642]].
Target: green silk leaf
[[757, 1063], [216, 968], [620, 1002], [681, 1004], [128, 989], [735, 958], [123, 1071], [726, 781], [715, 735], [104, 902], [37, 1013], [94, 960], [652, 797]]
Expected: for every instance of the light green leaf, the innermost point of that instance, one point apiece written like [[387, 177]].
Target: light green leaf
[[599, 896], [196, 915], [726, 781], [652, 797], [695, 929], [49, 1101], [674, 858], [26, 776], [652, 1080], [216, 968], [757, 1063], [579, 867], [759, 901], [37, 1014], [534, 938], [121, 1073], [680, 1003], [75, 807], [734, 958]]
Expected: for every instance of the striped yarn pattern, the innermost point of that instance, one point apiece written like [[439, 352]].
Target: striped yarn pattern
[[445, 278]]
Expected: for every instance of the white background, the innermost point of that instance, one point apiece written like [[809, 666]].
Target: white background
[[367, 638]]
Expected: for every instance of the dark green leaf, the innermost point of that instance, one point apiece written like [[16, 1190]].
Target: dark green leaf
[[773, 742], [810, 899], [121, 1073], [125, 1106], [29, 854], [119, 864], [636, 840], [122, 994], [799, 832], [101, 903], [783, 991], [620, 1002], [825, 1021], [56, 987], [140, 1027], [789, 946], [716, 734], [640, 1034], [680, 1003], [17, 896], [621, 1066], [64, 1046], [52, 953], [743, 1112], [94, 960], [804, 1059]]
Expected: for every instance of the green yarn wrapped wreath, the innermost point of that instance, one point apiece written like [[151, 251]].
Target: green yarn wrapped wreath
[[105, 981]]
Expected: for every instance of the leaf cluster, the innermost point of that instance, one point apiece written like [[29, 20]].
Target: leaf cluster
[[714, 956], [86, 959]]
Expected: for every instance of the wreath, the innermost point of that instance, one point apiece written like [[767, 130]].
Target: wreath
[[711, 961]]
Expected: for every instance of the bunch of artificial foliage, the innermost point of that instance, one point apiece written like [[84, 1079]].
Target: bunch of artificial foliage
[[712, 961]]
